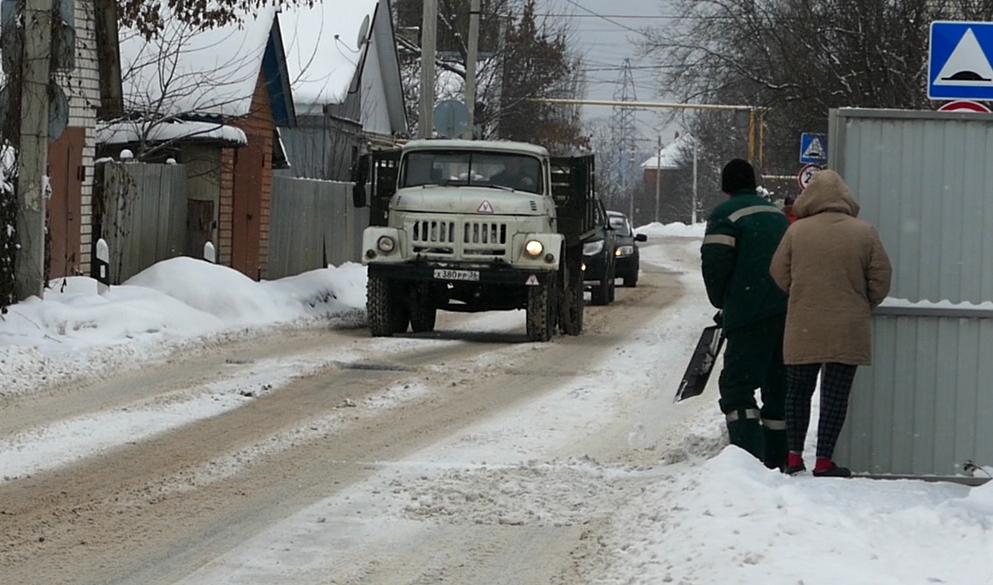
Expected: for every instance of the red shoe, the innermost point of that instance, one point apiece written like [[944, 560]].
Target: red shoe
[[794, 464], [827, 468]]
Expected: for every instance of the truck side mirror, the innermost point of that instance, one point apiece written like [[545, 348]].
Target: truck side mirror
[[640, 238], [358, 195]]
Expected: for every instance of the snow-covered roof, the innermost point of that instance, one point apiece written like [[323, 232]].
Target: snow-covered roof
[[182, 71], [129, 132], [322, 48], [488, 145], [670, 156]]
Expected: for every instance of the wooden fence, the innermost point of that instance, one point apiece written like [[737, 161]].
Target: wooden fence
[[141, 211], [313, 224]]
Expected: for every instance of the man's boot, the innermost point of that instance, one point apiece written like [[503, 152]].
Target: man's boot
[[745, 431], [774, 455]]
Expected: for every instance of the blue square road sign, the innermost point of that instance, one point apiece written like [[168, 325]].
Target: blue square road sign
[[960, 61], [813, 149]]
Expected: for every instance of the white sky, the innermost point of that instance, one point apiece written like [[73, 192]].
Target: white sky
[[606, 44]]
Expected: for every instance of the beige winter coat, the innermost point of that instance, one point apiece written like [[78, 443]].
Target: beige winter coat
[[836, 271]]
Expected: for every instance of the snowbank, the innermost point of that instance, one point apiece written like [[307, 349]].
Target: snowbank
[[677, 230], [176, 300], [733, 521]]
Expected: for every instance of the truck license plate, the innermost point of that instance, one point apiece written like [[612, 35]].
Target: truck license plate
[[467, 275]]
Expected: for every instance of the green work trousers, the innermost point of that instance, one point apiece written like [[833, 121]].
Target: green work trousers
[[753, 360]]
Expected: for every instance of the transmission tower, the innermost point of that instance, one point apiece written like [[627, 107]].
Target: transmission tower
[[624, 139]]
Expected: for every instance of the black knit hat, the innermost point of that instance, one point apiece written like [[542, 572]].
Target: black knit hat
[[737, 175]]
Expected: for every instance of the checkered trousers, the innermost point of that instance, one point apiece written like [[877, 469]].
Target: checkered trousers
[[836, 385]]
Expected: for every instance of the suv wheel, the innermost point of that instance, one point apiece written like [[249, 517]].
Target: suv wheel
[[601, 292]]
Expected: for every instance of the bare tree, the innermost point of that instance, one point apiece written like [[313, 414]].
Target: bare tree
[[148, 16], [801, 58]]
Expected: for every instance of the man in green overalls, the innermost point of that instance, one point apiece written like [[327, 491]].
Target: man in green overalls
[[742, 236]]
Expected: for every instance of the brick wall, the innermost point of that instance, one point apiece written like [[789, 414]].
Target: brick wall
[[226, 207], [259, 127], [82, 86]]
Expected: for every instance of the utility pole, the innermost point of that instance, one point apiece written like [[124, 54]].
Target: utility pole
[[36, 43], [470, 67], [658, 181], [429, 41], [693, 213], [624, 131]]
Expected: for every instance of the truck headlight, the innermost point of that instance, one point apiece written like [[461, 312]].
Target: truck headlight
[[534, 248], [593, 248], [386, 244], [624, 251]]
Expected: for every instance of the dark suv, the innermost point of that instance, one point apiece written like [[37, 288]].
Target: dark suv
[[599, 260], [627, 261]]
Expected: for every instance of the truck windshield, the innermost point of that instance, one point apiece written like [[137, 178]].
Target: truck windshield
[[475, 169]]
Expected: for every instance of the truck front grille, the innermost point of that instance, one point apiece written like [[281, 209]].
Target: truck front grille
[[450, 238], [484, 232], [433, 232]]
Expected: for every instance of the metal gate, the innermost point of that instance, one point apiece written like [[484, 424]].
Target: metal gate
[[925, 179]]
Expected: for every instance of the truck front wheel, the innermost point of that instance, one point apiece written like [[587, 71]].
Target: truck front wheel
[[542, 311], [386, 307], [423, 312]]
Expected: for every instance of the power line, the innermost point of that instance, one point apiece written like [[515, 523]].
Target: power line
[[631, 16], [606, 18]]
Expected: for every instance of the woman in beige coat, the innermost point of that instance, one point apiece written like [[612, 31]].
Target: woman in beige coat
[[835, 270]]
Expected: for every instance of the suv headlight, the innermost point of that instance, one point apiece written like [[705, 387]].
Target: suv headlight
[[386, 244], [593, 248], [624, 251], [534, 248]]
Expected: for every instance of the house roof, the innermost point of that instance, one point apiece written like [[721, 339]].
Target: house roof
[[670, 157], [323, 48], [486, 145], [185, 72], [128, 132]]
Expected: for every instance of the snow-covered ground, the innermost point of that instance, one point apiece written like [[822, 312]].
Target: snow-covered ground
[[675, 230], [602, 474], [75, 332]]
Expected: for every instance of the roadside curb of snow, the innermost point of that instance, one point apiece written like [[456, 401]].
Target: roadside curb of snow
[[25, 370]]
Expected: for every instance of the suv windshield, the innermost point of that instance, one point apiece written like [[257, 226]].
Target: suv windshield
[[475, 169], [621, 225]]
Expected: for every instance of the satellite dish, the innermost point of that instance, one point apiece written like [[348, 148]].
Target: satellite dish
[[363, 32]]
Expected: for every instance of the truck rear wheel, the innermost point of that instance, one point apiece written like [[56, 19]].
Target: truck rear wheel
[[386, 309], [423, 312], [541, 311], [573, 302]]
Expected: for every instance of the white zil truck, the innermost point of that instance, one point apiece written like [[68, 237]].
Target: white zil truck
[[470, 226]]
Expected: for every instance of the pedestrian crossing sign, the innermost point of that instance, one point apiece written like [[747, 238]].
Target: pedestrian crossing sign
[[961, 61], [813, 149]]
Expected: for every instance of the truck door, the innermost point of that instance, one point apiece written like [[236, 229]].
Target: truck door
[[379, 170]]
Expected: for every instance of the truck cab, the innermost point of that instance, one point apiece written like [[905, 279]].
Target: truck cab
[[473, 226]]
